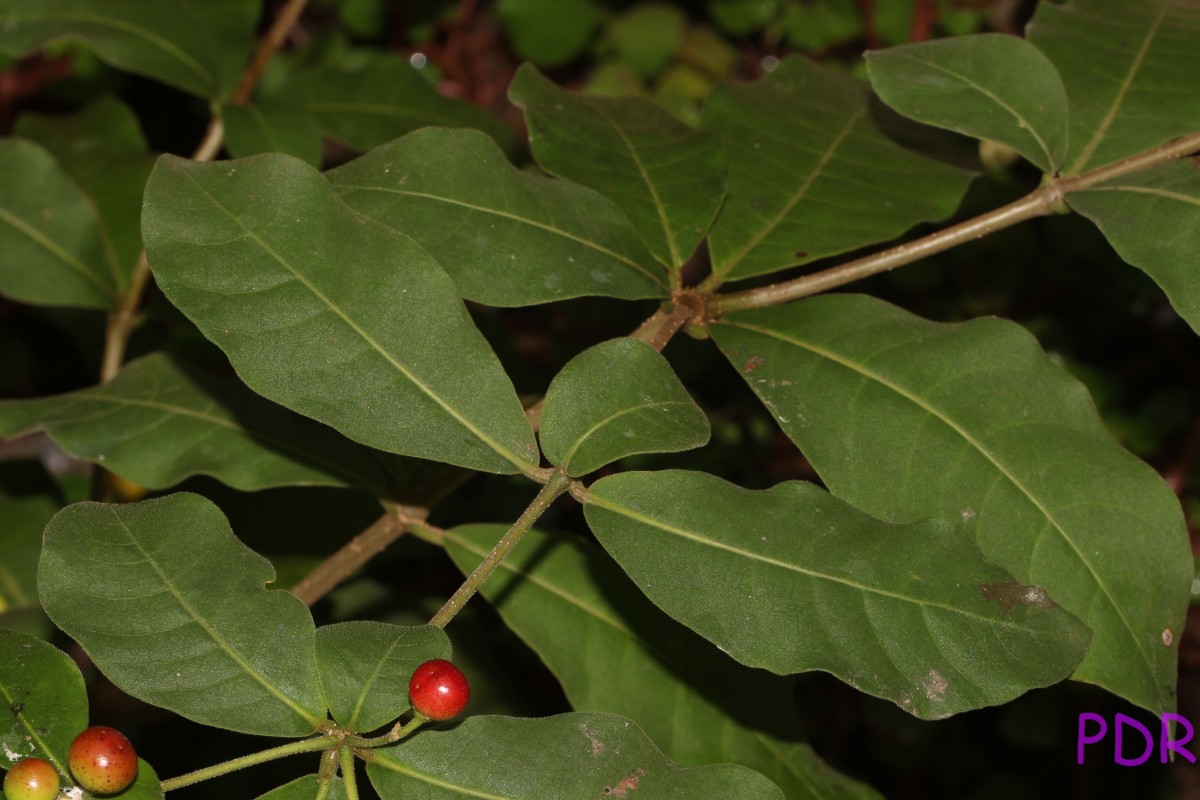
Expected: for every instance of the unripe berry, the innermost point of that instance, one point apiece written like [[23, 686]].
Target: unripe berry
[[438, 690], [31, 779], [102, 760]]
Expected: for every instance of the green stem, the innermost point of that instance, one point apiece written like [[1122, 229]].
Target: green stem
[[1046, 199], [346, 756], [556, 485], [397, 733], [216, 770]]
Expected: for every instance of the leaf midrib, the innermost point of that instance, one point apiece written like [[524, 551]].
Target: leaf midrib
[[583, 437], [59, 253]]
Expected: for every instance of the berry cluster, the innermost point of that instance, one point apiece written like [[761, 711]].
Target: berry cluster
[[101, 760]]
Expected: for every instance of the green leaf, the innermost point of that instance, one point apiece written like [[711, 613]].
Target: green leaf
[[648, 35], [382, 102], [366, 666], [666, 177], [25, 508], [613, 651], [53, 254], [990, 86], [793, 579], [169, 604], [549, 32], [43, 699], [329, 313], [103, 150], [268, 128], [1130, 71], [146, 786], [197, 47], [1152, 219], [810, 174], [306, 789], [740, 17], [909, 419], [507, 237], [201, 425], [566, 757], [589, 419]]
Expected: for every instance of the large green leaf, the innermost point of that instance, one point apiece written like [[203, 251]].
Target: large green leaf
[[666, 177], [173, 609], [794, 579], [811, 175], [613, 651], [306, 788], [200, 48], [1152, 218], [330, 313], [567, 757], [366, 667], [270, 128], [991, 86], [50, 247], [103, 150], [386, 100], [1130, 70], [616, 399], [910, 419], [506, 237], [43, 698], [160, 421]]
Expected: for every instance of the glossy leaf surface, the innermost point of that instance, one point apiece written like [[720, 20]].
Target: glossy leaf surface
[[49, 234], [910, 419], [365, 668], [383, 101], [44, 701], [616, 399], [990, 86], [794, 580], [199, 48], [1152, 219], [169, 604], [664, 175], [104, 152], [567, 757], [506, 237], [1130, 70], [613, 651], [269, 128], [329, 313], [810, 174], [160, 421]]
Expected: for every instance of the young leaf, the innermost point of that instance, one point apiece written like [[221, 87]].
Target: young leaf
[[386, 100], [43, 698], [366, 666], [1130, 71], [990, 86], [810, 175], [666, 177], [909, 419], [103, 150], [507, 237], [49, 259], [270, 128], [169, 604], [306, 788], [1152, 219], [199, 48], [613, 651], [793, 579], [567, 757], [201, 425], [592, 417], [330, 313]]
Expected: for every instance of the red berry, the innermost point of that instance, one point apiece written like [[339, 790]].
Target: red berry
[[102, 760], [438, 690], [31, 779]]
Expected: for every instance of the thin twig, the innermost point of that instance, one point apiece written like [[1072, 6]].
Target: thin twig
[[271, 42], [1046, 199]]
